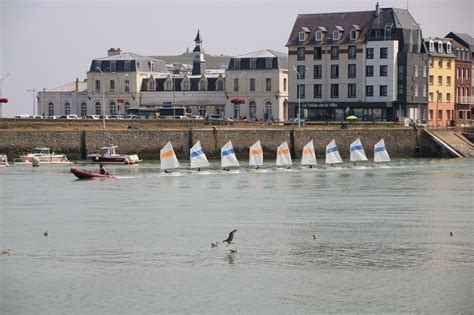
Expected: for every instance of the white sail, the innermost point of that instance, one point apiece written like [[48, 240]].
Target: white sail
[[380, 152], [228, 157], [357, 151], [168, 158], [308, 157], [283, 155], [198, 157], [256, 154], [332, 154]]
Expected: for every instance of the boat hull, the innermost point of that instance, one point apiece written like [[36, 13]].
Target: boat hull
[[83, 174], [123, 159]]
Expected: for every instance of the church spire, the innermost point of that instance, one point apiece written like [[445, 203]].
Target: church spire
[[199, 64]]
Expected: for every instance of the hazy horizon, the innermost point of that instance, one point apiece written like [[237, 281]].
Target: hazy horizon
[[45, 44]]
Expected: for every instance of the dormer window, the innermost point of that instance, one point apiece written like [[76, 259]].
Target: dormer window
[[301, 36], [448, 47], [151, 84], [431, 45], [335, 35], [440, 46], [185, 84], [236, 63], [253, 63], [354, 34], [318, 36], [169, 84], [203, 84]]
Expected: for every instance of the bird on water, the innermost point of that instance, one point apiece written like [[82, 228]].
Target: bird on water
[[229, 238], [45, 233], [315, 237], [214, 244], [233, 251], [7, 252]]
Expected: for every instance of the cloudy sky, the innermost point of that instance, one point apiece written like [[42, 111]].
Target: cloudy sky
[[44, 44]]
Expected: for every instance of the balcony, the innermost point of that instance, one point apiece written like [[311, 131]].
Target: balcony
[[466, 100]]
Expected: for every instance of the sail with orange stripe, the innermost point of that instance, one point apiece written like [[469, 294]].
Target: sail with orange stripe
[[283, 155], [256, 154], [168, 158], [309, 156]]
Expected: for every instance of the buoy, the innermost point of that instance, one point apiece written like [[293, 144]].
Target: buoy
[[35, 161]]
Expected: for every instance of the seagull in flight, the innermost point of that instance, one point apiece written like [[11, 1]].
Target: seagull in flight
[[229, 238]]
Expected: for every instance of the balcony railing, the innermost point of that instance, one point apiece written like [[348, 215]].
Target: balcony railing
[[466, 100]]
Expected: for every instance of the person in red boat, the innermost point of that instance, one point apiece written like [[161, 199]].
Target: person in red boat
[[102, 170]]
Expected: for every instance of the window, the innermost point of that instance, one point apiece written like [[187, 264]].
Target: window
[[383, 90], [126, 85], [236, 85], [440, 80], [268, 84], [284, 84], [202, 110], [431, 97], [301, 36], [236, 63], [448, 47], [318, 36], [318, 90], [334, 71], [301, 90], [301, 72], [383, 71], [269, 63], [369, 71], [352, 52], [112, 85], [448, 97], [268, 110], [400, 89], [351, 71], [318, 71], [424, 91], [317, 53], [440, 46], [97, 86], [151, 84], [369, 90], [431, 45], [431, 80], [98, 108], [353, 34], [252, 85], [127, 66], [50, 109], [458, 73], [440, 114], [440, 97], [334, 53], [126, 106], [334, 90], [440, 63], [415, 90], [112, 66], [83, 109], [67, 109], [448, 81], [185, 84], [351, 90], [253, 63], [237, 111], [400, 72], [416, 71], [430, 63], [203, 85], [112, 108], [335, 35], [369, 54], [169, 84], [448, 64], [252, 109], [424, 72], [301, 53], [383, 53]]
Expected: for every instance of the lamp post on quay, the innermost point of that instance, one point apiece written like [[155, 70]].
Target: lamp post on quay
[[298, 94], [1, 99], [103, 97], [34, 105]]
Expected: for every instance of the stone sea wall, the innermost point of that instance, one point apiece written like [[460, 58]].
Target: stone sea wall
[[401, 143]]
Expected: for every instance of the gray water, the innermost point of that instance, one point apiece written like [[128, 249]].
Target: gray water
[[141, 243]]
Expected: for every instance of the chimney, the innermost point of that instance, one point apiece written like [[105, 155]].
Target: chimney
[[77, 84], [377, 9], [113, 52]]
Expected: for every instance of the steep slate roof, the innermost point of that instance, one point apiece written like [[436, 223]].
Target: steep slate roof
[[119, 59], [463, 38], [435, 53], [212, 62], [265, 53], [127, 56], [70, 87], [330, 20], [280, 60]]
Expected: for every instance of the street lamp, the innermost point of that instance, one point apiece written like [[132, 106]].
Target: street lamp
[[33, 93], [298, 94], [437, 100], [1, 81], [240, 77], [103, 97]]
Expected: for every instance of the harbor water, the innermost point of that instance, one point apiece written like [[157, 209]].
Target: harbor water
[[141, 243]]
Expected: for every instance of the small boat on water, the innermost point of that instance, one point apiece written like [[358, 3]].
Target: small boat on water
[[228, 158], [168, 158], [198, 157], [332, 153], [84, 174], [3, 160], [380, 152], [256, 155], [44, 155], [107, 155], [283, 155], [309, 156], [357, 152]]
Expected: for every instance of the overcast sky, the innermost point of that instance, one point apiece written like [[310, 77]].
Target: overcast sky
[[45, 44]]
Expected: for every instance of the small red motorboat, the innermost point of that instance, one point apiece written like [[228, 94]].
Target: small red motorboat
[[83, 174]]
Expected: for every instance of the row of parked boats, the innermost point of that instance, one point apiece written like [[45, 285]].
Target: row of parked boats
[[198, 159]]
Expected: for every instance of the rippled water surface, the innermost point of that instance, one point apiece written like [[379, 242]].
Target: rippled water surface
[[141, 243]]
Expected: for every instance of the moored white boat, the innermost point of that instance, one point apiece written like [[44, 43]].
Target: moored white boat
[[107, 155], [332, 153], [283, 155], [308, 157], [44, 155], [3, 160]]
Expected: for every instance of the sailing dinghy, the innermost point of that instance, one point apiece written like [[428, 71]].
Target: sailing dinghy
[[198, 157], [168, 158], [357, 152], [283, 155], [308, 157], [256, 155], [228, 158], [332, 154], [380, 152]]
